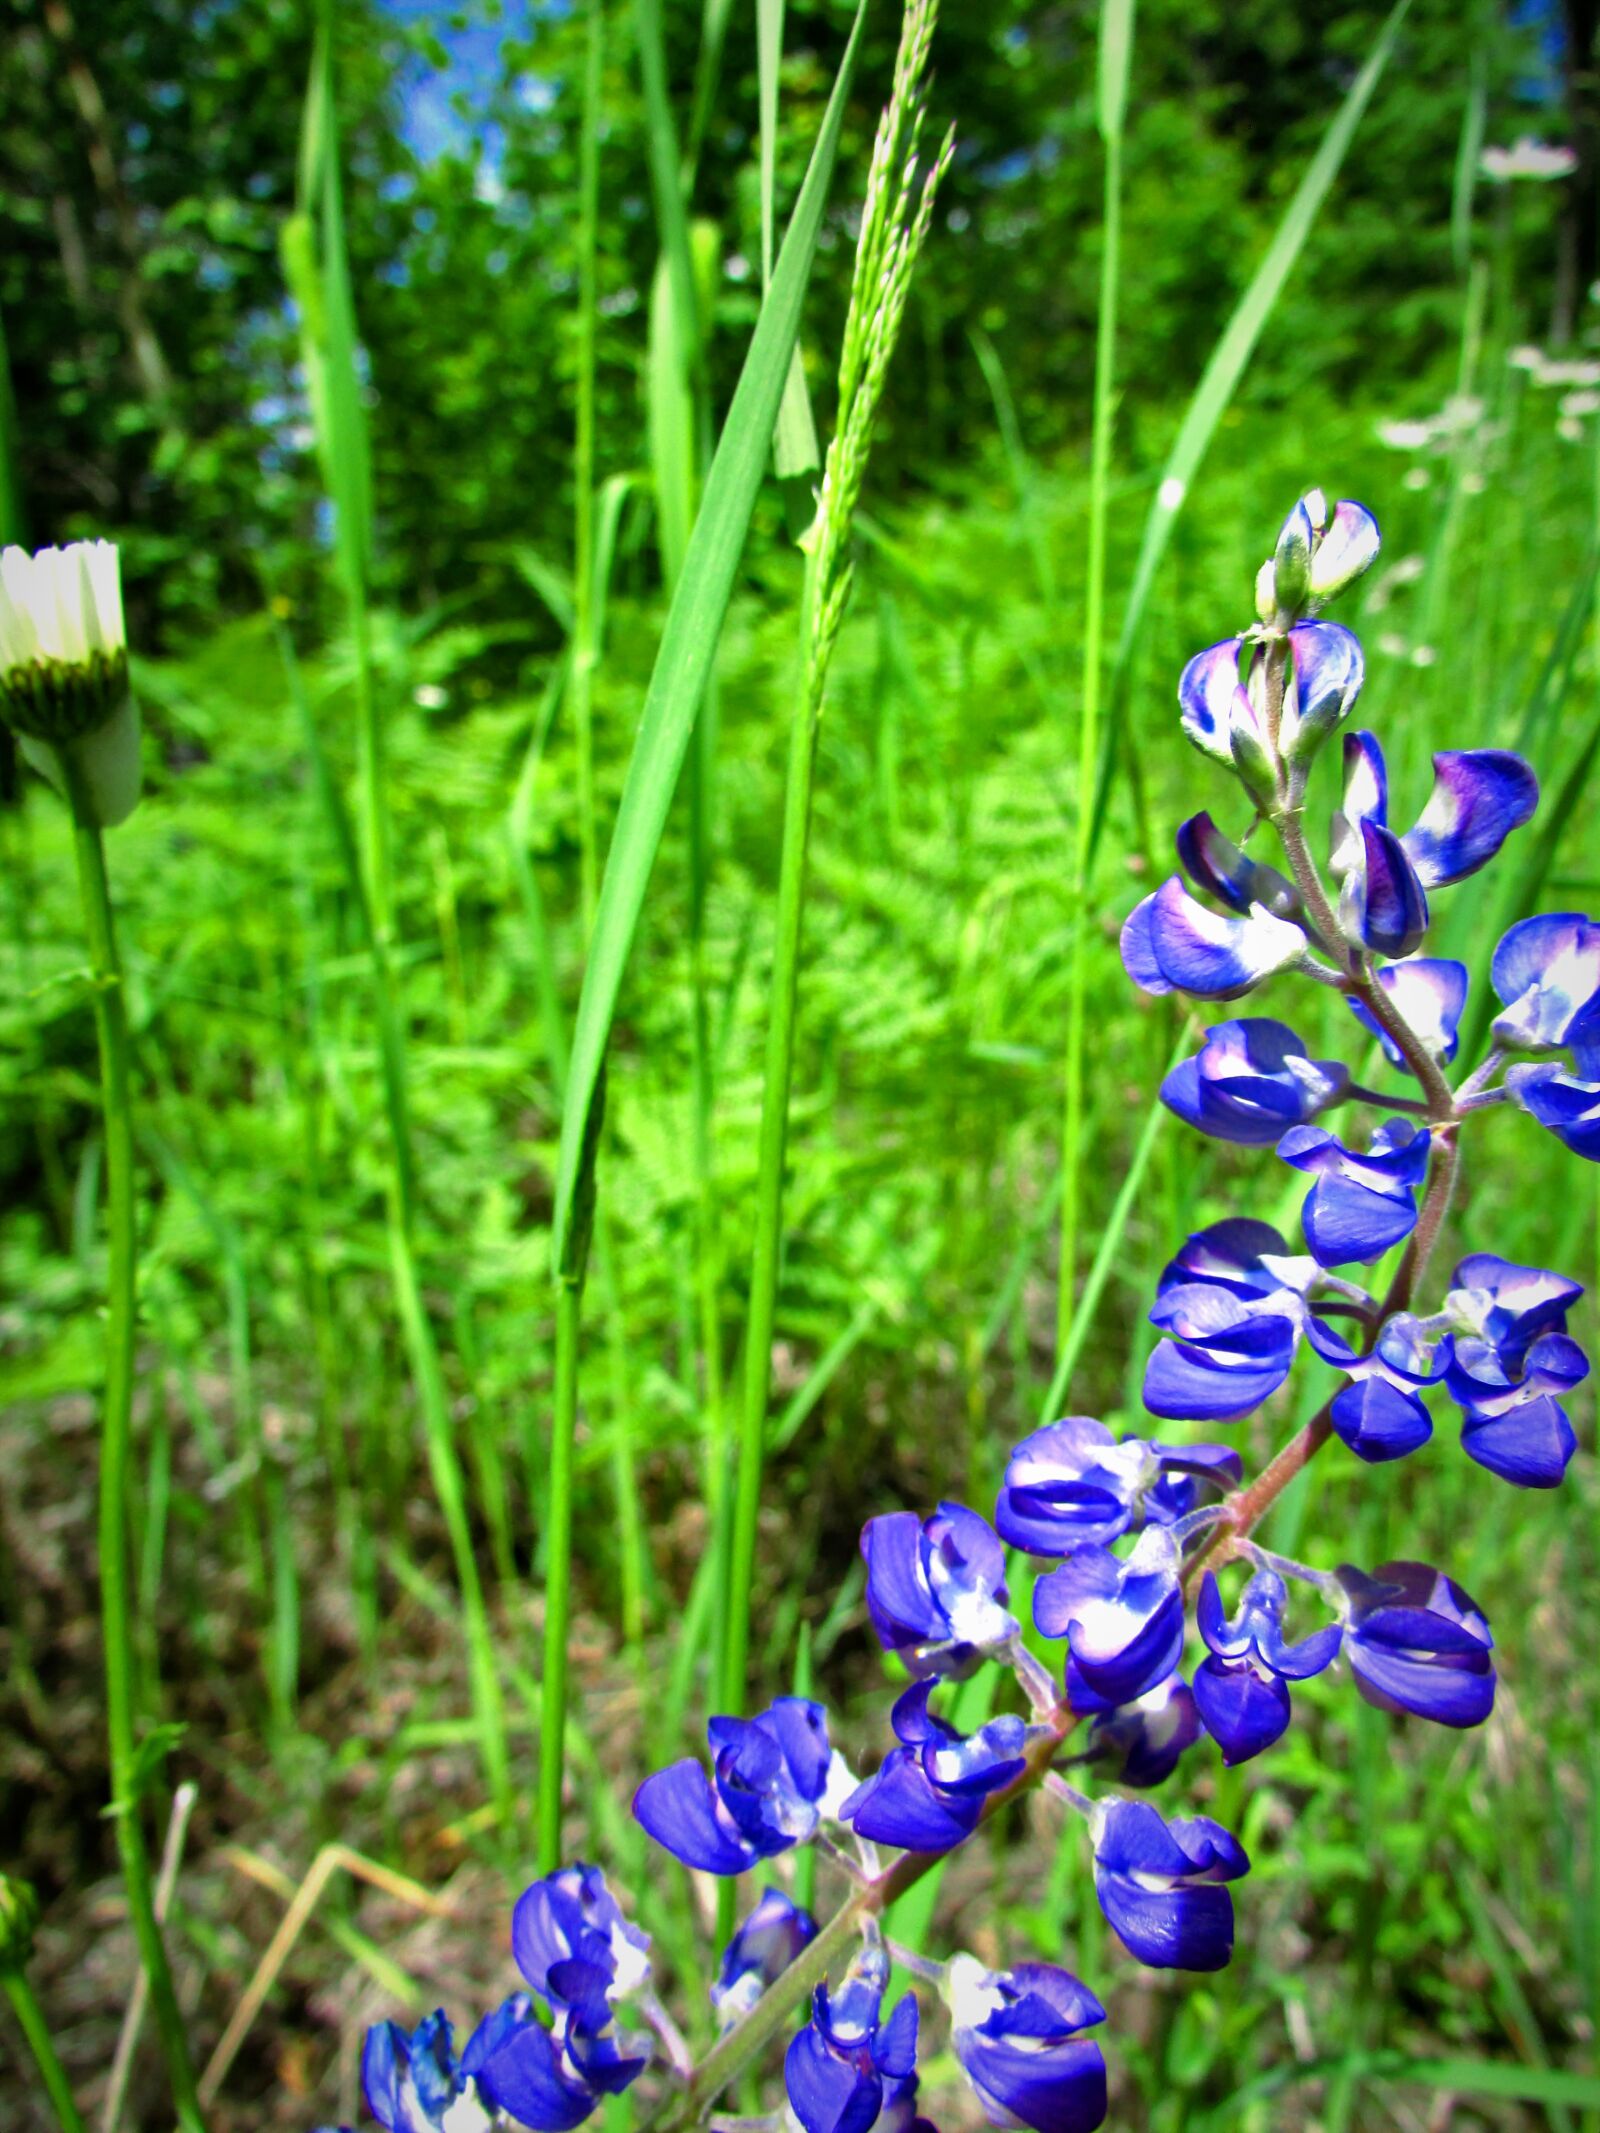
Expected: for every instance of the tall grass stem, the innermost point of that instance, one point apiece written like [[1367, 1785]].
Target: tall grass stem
[[36, 2032]]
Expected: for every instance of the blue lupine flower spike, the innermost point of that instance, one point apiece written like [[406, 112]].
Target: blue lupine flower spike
[[1160, 1884], [1242, 1687], [1416, 1642], [1074, 1481], [769, 1779], [1250, 1081], [837, 2070], [936, 1588], [759, 1953], [1018, 2037]]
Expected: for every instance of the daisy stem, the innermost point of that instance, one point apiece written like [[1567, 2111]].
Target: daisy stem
[[116, 1445], [30, 2019]]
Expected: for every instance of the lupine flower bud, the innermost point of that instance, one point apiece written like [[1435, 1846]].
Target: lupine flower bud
[[1266, 592], [64, 674], [1159, 1884], [1016, 2035], [1345, 548], [1291, 562], [19, 1915]]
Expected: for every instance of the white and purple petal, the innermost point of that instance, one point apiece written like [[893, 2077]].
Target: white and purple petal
[[1480, 795], [1211, 698]]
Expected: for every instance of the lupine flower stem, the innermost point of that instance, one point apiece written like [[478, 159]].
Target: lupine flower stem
[[30, 2019], [116, 1481]]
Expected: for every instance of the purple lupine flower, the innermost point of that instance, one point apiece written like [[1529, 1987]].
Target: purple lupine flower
[[1480, 795], [1138, 1743], [1232, 1305], [1416, 1642], [551, 2080], [1074, 1481], [1017, 2036], [1173, 943], [1566, 1105], [1160, 1884], [769, 1780], [1380, 1414], [1347, 547], [1430, 994], [1546, 972], [1360, 1204], [1326, 673], [1509, 1305], [1242, 1688], [760, 1951], [928, 1793], [839, 2067], [1251, 1080], [936, 1588], [571, 1916], [411, 2080], [1122, 1619], [1515, 1425], [1215, 863], [1511, 1366], [1213, 703]]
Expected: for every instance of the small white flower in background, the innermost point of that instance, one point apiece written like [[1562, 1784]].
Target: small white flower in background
[[1416, 478], [1529, 158], [64, 674], [1406, 436], [1581, 403], [1423, 655], [1570, 430], [428, 696], [1525, 357]]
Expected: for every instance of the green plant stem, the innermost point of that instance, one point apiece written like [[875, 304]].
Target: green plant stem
[[116, 1480], [558, 1574], [30, 2017], [1089, 723], [1245, 1510], [776, 1083]]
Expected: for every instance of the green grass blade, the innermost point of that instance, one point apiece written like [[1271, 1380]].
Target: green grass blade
[[688, 646]]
